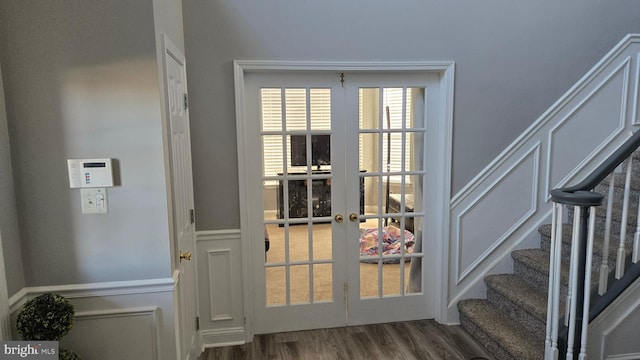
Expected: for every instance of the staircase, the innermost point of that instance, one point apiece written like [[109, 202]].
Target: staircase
[[511, 322]]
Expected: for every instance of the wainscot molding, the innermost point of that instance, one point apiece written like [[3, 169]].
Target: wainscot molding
[[634, 356], [220, 287], [614, 333], [525, 186], [90, 290], [145, 320], [635, 116], [121, 319], [499, 210], [620, 73]]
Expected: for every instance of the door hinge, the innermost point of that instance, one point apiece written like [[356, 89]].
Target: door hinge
[[186, 101], [197, 323], [342, 79], [192, 216]]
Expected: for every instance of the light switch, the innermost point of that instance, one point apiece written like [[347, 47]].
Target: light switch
[[94, 201]]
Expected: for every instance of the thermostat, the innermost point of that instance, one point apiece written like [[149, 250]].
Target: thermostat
[[89, 173]]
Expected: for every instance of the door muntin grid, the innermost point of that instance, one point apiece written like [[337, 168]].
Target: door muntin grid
[[299, 264], [391, 142]]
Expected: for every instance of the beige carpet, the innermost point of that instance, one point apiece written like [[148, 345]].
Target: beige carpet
[[302, 248]]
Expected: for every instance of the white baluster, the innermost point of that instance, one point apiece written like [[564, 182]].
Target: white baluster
[[604, 267], [551, 342], [558, 277], [623, 226], [573, 283], [587, 285]]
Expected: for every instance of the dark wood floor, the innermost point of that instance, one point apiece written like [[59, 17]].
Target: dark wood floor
[[423, 339]]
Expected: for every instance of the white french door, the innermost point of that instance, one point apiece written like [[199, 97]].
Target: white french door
[[335, 165], [386, 129]]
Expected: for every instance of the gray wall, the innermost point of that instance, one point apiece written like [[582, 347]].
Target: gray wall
[[513, 60], [8, 212], [81, 80]]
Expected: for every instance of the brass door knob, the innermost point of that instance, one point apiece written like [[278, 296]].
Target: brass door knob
[[353, 217], [185, 256], [339, 218]]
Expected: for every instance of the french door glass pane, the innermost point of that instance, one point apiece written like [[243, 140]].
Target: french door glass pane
[[299, 284], [322, 283], [276, 285], [391, 143], [271, 109], [295, 109], [296, 140], [320, 114]]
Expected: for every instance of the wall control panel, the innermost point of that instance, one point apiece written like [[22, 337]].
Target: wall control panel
[[90, 173], [94, 201]]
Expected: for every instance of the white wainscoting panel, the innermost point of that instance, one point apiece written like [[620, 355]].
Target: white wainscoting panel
[[107, 339], [220, 292], [635, 113], [220, 277], [501, 208], [115, 320], [475, 241], [602, 112], [614, 334]]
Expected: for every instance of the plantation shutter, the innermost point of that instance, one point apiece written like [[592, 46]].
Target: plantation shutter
[[397, 99], [293, 103]]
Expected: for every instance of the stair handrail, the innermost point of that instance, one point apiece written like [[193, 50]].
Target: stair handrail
[[580, 311], [576, 192]]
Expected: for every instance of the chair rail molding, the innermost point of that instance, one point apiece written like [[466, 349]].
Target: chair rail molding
[[602, 107], [138, 315]]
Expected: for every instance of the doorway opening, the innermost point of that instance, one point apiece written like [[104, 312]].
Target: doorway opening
[[339, 178]]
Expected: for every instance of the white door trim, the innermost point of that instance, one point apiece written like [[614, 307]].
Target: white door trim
[[5, 325], [441, 194]]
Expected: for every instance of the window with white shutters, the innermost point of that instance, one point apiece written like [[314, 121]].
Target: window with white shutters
[[303, 109], [310, 108]]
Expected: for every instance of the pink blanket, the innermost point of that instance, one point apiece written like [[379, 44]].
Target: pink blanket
[[391, 243]]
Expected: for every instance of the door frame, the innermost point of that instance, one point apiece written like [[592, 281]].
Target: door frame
[[5, 326], [439, 140]]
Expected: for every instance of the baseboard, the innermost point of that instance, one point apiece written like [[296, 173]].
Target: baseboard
[[223, 337]]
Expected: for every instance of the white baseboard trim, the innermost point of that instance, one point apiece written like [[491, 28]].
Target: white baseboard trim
[[223, 337]]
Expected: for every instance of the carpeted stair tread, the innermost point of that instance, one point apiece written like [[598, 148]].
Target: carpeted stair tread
[[598, 239], [519, 292], [511, 322], [535, 259], [499, 334]]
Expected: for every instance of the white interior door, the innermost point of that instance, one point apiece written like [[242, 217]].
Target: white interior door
[[318, 206], [182, 197]]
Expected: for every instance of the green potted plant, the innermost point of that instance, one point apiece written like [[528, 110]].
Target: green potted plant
[[47, 317]]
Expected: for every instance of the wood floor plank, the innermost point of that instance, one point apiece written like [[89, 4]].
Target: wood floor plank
[[422, 339]]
